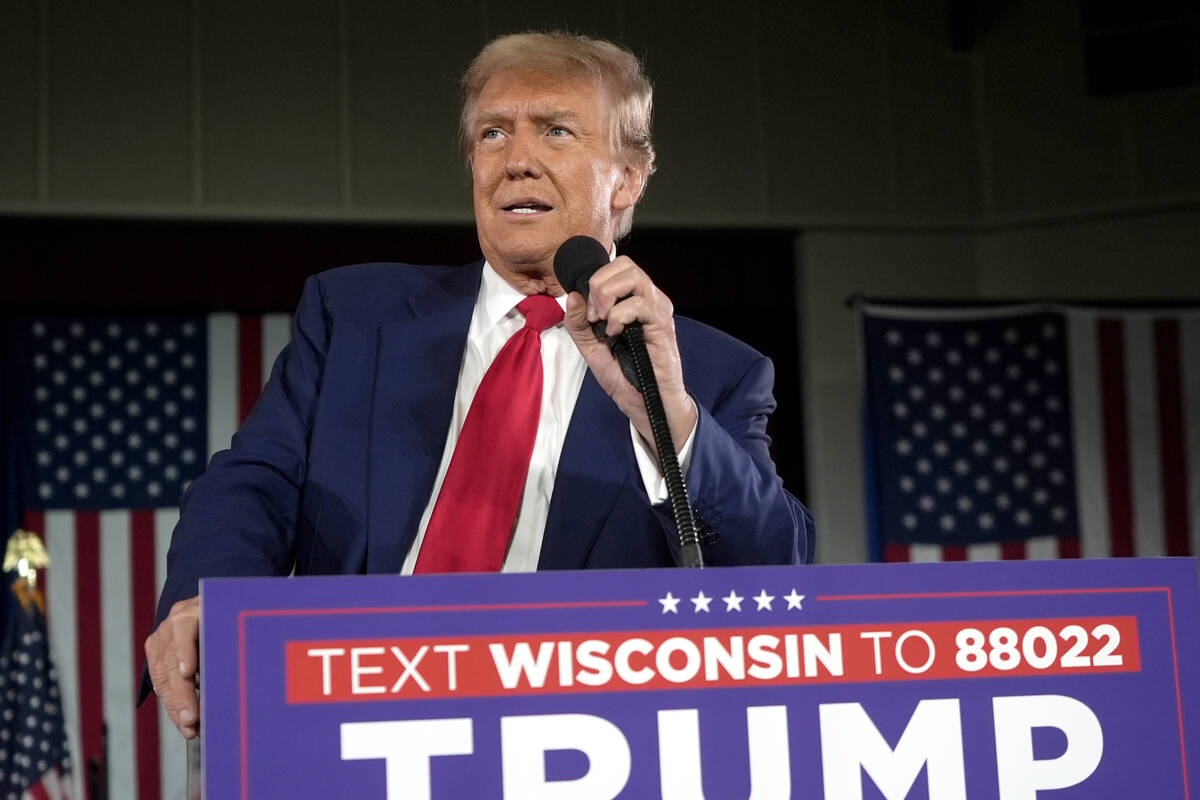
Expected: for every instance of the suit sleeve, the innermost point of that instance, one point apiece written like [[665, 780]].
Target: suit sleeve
[[743, 513], [239, 517]]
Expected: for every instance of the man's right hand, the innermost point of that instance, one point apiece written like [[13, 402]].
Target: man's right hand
[[173, 655]]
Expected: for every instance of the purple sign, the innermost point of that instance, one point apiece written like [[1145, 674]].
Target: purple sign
[[1009, 680]]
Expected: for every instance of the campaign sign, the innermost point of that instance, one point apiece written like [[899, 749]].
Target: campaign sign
[[1011, 680]]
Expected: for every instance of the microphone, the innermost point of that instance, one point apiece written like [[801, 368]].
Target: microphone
[[575, 262]]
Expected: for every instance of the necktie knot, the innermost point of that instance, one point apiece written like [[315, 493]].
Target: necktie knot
[[541, 311]]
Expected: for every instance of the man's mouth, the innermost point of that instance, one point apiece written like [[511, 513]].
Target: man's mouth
[[529, 207]]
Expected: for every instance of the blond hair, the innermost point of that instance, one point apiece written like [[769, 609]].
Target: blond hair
[[609, 66]]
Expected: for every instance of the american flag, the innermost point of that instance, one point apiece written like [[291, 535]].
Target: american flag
[[121, 414], [34, 762], [1031, 432]]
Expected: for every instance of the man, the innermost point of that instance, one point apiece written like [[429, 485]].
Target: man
[[358, 457]]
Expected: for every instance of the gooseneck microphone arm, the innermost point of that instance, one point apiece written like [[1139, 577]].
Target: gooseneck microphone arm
[[576, 261]]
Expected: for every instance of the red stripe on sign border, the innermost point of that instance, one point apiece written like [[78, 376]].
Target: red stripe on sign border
[[1110, 335], [91, 664], [142, 572], [1172, 437], [250, 357]]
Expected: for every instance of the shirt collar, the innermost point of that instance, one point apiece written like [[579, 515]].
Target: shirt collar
[[497, 298]]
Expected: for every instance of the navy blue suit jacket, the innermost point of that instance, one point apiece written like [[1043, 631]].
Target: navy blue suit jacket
[[334, 466]]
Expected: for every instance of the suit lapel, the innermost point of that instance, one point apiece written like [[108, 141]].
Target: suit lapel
[[416, 379], [592, 470]]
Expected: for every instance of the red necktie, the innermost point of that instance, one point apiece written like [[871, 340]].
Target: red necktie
[[476, 510]]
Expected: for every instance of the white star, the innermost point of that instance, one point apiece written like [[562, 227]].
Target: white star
[[670, 603], [764, 600], [794, 600], [733, 601], [701, 601]]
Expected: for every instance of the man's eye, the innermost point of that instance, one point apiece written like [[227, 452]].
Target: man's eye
[[491, 133], [558, 130]]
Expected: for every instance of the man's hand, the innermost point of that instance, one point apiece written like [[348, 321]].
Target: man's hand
[[647, 305], [173, 654]]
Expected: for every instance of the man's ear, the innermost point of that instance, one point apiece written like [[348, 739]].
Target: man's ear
[[629, 187]]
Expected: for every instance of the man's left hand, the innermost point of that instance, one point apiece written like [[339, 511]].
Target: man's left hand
[[649, 306]]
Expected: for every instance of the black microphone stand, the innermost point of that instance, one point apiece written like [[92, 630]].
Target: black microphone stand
[[677, 495]]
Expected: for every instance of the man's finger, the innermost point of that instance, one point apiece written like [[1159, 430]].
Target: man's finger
[[172, 655]]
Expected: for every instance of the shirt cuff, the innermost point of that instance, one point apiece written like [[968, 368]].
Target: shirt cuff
[[655, 483]]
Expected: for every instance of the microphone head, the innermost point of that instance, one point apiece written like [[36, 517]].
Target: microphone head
[[576, 260]]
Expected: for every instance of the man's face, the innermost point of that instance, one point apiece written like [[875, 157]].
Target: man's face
[[543, 171]]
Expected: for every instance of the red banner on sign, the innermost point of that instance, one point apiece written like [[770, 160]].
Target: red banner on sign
[[480, 666]]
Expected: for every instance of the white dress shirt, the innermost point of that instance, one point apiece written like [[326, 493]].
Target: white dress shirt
[[494, 320]]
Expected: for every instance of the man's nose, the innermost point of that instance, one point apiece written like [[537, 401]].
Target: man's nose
[[521, 157]]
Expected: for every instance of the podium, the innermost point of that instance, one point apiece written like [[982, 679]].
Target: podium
[[1010, 680]]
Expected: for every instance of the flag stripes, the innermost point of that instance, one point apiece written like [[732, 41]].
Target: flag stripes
[[107, 570]]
